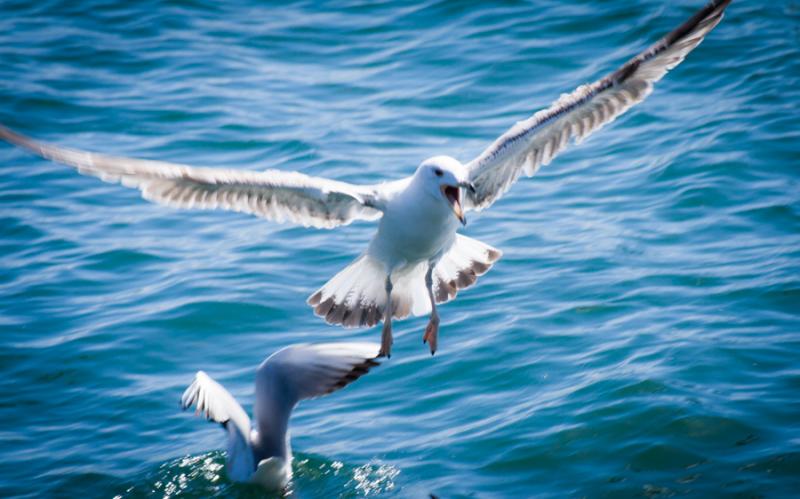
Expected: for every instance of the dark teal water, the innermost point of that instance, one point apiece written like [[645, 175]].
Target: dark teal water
[[641, 336]]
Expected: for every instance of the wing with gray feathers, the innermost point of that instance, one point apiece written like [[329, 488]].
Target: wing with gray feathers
[[311, 370], [273, 194], [536, 141], [216, 404]]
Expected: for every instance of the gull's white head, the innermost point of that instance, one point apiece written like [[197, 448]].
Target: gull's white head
[[444, 177]]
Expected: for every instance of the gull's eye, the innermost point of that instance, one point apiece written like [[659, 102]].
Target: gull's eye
[[438, 172]]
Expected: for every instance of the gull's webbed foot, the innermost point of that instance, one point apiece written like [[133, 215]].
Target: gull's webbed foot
[[431, 336]]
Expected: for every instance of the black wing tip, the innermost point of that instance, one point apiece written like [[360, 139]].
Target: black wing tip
[[712, 10], [355, 372]]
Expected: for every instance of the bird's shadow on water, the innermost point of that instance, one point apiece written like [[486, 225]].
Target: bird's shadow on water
[[203, 475]]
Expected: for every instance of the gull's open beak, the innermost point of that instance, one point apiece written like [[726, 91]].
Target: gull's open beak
[[452, 194]]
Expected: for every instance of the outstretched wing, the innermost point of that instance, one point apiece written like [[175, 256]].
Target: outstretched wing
[[311, 370], [273, 194], [216, 404], [536, 141]]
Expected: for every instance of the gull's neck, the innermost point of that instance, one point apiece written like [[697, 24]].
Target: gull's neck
[[271, 412]]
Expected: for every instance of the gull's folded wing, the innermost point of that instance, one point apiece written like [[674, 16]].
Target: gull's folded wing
[[275, 195], [216, 404], [537, 140]]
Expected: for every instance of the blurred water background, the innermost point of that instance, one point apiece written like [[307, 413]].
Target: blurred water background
[[640, 337]]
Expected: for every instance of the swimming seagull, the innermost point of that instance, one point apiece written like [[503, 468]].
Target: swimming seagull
[[416, 259], [261, 452]]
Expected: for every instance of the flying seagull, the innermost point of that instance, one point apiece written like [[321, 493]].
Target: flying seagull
[[261, 452], [416, 259]]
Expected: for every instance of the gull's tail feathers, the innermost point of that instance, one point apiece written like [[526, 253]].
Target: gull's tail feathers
[[461, 265], [356, 296]]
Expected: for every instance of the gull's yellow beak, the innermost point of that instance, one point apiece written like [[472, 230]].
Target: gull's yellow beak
[[452, 194]]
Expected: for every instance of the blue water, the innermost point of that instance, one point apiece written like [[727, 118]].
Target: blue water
[[640, 337]]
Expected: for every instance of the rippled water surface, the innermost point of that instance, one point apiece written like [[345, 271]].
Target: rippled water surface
[[640, 337]]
